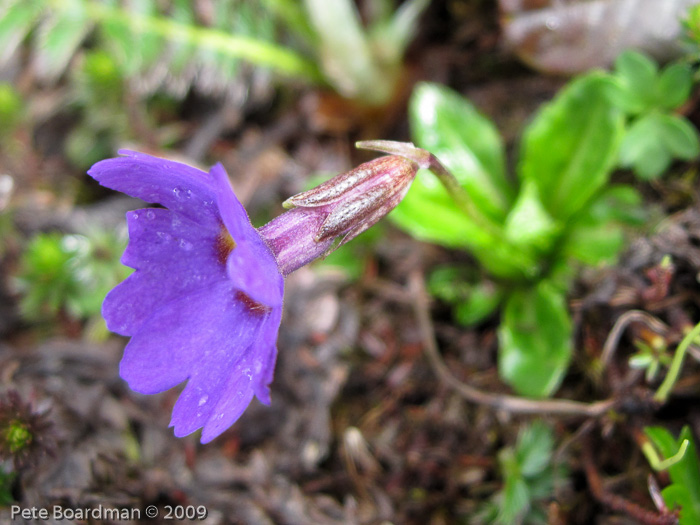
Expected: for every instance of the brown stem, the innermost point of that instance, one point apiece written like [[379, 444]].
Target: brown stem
[[511, 404]]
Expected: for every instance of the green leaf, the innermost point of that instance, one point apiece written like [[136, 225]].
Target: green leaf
[[535, 340], [594, 244], [654, 139], [684, 490], [534, 448], [515, 501], [473, 297], [644, 148], [466, 142], [594, 236], [620, 203], [528, 224], [680, 136], [483, 299], [570, 148], [673, 85], [429, 213], [638, 75]]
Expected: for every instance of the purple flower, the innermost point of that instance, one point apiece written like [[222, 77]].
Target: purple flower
[[205, 302]]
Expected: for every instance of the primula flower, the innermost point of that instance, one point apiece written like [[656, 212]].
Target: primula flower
[[205, 302]]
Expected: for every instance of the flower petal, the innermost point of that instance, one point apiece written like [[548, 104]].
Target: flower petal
[[172, 256], [177, 186], [250, 264], [267, 354], [217, 398], [193, 336]]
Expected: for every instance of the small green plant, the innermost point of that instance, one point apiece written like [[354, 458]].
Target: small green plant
[[69, 273], [530, 479], [528, 234], [683, 468], [655, 134]]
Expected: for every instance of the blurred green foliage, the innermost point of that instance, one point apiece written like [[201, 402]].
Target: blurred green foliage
[[70, 274], [655, 135], [177, 44], [530, 234], [530, 479], [684, 490], [362, 62], [11, 109], [98, 95], [7, 480]]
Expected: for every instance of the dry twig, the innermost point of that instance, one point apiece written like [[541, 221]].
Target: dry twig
[[511, 404]]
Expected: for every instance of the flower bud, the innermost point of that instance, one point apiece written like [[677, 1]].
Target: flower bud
[[339, 209]]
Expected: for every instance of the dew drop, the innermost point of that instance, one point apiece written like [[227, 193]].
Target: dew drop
[[164, 236], [185, 245], [135, 215], [248, 374], [177, 191], [203, 400], [150, 215]]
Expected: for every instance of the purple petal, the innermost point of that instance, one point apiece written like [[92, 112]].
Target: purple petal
[[250, 264], [216, 398], [232, 403], [199, 335], [253, 270], [267, 356], [173, 256], [177, 186]]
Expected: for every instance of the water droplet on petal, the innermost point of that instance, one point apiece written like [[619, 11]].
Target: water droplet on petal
[[185, 245], [135, 215], [203, 400], [150, 215], [177, 192], [164, 236]]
